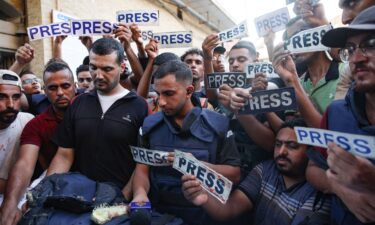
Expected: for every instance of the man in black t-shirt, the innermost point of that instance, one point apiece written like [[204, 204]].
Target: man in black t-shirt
[[99, 126]]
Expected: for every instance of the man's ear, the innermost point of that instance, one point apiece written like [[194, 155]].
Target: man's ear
[[190, 89], [123, 66]]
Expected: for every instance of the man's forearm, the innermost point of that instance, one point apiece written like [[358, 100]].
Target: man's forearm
[[62, 161], [19, 179], [258, 132], [307, 109]]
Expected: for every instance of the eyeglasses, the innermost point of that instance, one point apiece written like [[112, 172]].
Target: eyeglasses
[[30, 81], [292, 145], [81, 80], [367, 48]]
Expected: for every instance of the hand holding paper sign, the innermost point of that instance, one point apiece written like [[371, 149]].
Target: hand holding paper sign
[[25, 54], [284, 65], [312, 13], [124, 34], [59, 39], [259, 83], [86, 41], [193, 190], [355, 172], [208, 45], [238, 99], [136, 34], [224, 95], [152, 48]]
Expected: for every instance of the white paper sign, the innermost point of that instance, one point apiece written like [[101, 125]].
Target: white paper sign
[[274, 21], [360, 145], [174, 39], [213, 182], [91, 27], [263, 67], [238, 31], [50, 30], [308, 40], [71, 28], [139, 17], [150, 157]]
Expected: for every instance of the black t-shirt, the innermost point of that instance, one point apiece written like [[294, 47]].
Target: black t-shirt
[[101, 141]]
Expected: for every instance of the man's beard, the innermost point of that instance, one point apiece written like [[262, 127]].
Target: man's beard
[[8, 119]]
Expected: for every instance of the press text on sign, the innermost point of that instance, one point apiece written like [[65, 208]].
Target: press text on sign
[[235, 79], [274, 21], [174, 39], [139, 17], [50, 30], [150, 157], [360, 145], [263, 67], [72, 28], [308, 40], [270, 101], [213, 182], [236, 32]]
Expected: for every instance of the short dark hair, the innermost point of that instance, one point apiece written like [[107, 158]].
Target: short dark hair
[[246, 44], [291, 22], [298, 122], [86, 60], [82, 68], [53, 60], [165, 57], [26, 72], [106, 46], [192, 51], [179, 69], [56, 66]]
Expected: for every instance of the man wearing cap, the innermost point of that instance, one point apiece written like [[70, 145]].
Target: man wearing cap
[[12, 123], [351, 178]]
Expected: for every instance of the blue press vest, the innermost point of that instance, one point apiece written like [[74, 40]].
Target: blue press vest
[[342, 119], [201, 138]]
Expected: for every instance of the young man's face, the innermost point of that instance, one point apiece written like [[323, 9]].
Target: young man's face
[[218, 62], [351, 8], [195, 63], [85, 80], [59, 88], [30, 84], [173, 95], [10, 103], [239, 58], [105, 71], [289, 156], [362, 65]]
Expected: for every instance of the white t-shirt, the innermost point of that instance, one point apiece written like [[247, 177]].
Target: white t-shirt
[[107, 101], [10, 141]]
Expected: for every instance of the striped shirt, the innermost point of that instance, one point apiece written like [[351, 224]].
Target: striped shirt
[[276, 204]]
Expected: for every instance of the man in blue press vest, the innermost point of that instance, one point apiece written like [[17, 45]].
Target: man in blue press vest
[[351, 178], [182, 126]]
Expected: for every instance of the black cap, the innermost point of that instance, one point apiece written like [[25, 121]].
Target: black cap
[[364, 22], [220, 50]]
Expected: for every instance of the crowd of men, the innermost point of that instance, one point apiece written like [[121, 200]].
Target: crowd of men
[[164, 104]]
